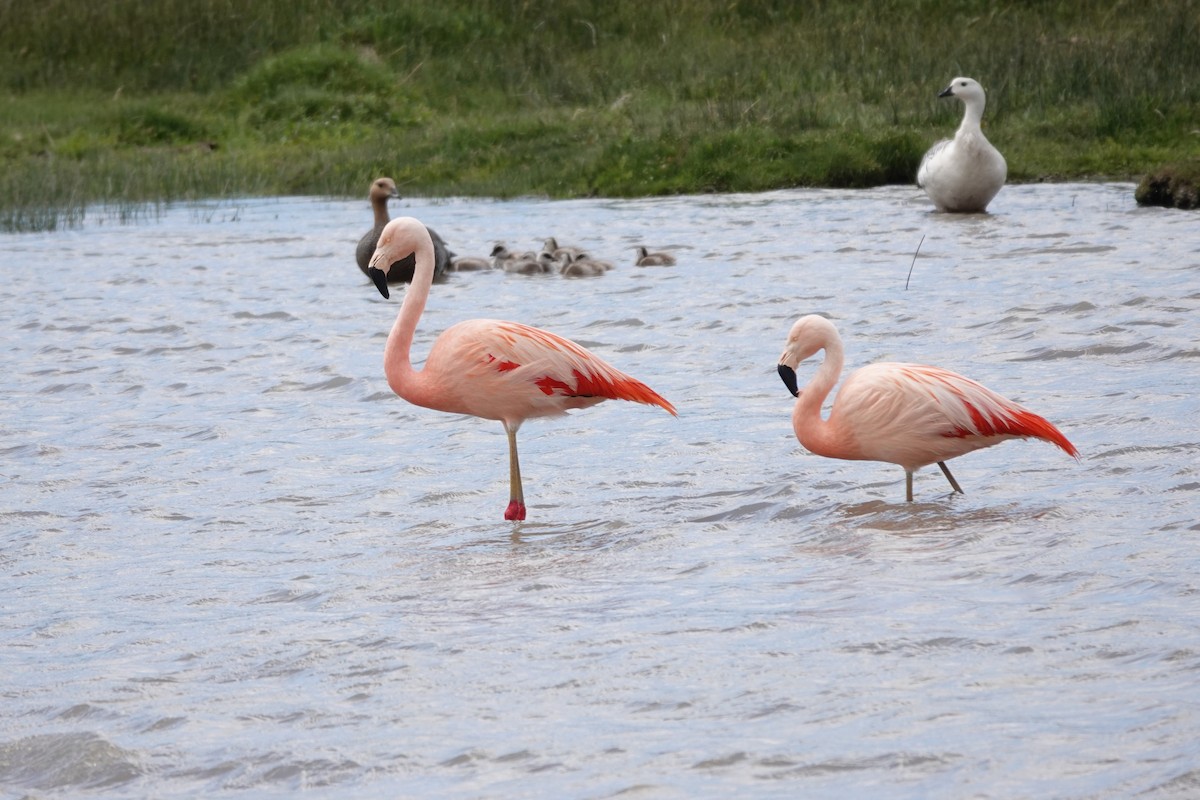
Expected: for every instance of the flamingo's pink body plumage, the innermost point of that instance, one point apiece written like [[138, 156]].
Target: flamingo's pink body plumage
[[488, 368], [912, 415]]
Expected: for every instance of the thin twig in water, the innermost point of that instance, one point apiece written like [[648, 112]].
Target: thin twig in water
[[914, 262]]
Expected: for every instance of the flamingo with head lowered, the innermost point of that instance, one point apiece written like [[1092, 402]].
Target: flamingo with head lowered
[[489, 368], [907, 414]]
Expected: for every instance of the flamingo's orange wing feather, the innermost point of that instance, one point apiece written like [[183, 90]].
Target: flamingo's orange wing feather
[[566, 369], [975, 410]]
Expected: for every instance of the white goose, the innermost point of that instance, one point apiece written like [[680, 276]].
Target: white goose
[[963, 174]]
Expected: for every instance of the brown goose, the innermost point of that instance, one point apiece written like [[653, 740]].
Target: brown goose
[[646, 259], [564, 254], [584, 266], [470, 263], [382, 190]]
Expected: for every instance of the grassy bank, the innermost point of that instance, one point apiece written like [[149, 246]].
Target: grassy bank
[[122, 101]]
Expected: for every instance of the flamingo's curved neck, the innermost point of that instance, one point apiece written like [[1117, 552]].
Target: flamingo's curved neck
[[397, 363], [811, 430]]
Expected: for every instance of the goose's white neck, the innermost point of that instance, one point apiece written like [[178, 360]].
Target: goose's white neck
[[972, 116]]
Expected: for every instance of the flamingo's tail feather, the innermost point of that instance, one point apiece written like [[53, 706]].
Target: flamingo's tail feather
[[1027, 423], [992, 415], [614, 386], [638, 392]]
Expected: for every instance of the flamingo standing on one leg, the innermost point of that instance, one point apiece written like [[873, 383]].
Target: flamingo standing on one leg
[[489, 368], [907, 414]]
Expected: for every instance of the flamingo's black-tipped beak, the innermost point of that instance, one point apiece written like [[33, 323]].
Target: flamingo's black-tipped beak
[[380, 280], [789, 379]]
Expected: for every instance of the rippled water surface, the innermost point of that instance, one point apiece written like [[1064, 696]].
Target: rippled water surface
[[234, 564]]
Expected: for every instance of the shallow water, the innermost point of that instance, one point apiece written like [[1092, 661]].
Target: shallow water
[[236, 565]]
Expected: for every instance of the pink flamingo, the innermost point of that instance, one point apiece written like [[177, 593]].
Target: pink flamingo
[[489, 368], [907, 414]]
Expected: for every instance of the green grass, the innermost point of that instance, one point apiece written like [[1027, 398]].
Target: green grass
[[123, 102]]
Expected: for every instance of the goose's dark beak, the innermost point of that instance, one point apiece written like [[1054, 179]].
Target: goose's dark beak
[[380, 280], [789, 379], [947, 92]]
